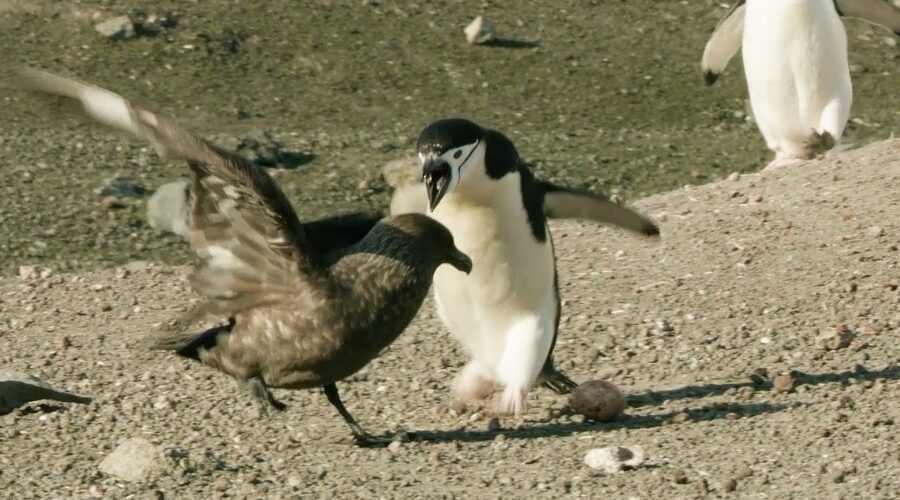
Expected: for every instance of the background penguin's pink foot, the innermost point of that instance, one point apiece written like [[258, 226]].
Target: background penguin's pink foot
[[780, 163]]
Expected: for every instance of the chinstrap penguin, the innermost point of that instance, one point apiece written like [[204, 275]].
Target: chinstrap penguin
[[795, 62], [302, 313], [506, 311]]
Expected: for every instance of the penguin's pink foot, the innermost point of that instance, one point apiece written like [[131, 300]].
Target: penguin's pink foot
[[473, 385], [511, 401]]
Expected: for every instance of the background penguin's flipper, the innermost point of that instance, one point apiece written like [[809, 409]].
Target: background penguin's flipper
[[723, 44], [565, 203], [877, 12]]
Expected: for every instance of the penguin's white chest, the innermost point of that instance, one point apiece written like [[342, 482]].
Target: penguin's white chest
[[512, 278], [795, 60]]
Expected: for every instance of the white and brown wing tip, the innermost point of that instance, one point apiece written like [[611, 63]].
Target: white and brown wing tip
[[252, 244], [564, 203], [724, 43], [878, 12], [113, 110]]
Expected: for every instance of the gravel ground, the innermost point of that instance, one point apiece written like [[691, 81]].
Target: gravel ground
[[713, 333]]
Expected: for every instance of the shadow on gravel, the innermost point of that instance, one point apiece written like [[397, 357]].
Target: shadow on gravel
[[651, 398], [510, 44], [42, 408], [291, 159], [715, 411]]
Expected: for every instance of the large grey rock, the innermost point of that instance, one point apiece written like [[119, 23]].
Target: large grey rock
[[17, 389], [167, 209], [134, 459]]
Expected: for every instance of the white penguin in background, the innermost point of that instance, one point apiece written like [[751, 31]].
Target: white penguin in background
[[795, 60], [506, 313]]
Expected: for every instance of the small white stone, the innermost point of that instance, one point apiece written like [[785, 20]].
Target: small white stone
[[480, 31], [615, 458]]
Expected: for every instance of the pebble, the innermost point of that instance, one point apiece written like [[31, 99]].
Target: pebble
[[838, 338], [702, 486], [679, 476], [615, 458], [63, 342], [681, 418], [841, 469], [221, 483], [743, 471], [481, 30], [163, 402], [493, 424], [395, 447], [28, 272], [881, 419], [783, 383], [729, 485], [875, 231], [597, 400]]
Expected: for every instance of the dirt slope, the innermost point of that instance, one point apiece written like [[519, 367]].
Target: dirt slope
[[601, 94], [748, 274]]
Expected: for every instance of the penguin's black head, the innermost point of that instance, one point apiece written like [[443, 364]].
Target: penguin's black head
[[449, 148]]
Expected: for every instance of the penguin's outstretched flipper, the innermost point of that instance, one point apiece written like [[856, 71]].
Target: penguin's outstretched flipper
[[567, 203], [723, 44], [877, 12]]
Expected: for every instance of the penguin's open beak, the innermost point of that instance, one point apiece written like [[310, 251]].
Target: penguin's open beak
[[460, 261], [436, 174]]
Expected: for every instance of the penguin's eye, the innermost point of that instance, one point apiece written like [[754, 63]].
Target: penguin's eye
[[457, 154]]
